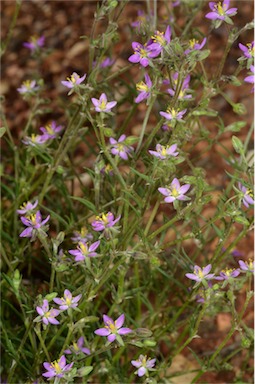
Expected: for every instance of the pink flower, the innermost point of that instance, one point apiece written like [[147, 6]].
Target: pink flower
[[77, 348], [35, 43], [172, 114], [246, 195], [28, 87], [163, 152], [34, 223], [247, 266], [104, 221], [143, 364], [102, 105], [185, 85], [51, 130], [142, 54], [248, 49], [112, 328], [220, 10], [195, 46], [143, 89], [83, 250], [27, 207], [119, 148], [74, 80], [160, 40], [175, 191], [57, 368], [200, 274], [47, 315], [250, 78], [68, 301], [228, 274], [34, 140]]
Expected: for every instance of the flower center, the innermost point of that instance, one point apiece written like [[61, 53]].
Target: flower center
[[173, 112], [251, 49], [120, 147], [49, 129], [84, 231], [75, 347], [228, 271], [83, 248], [249, 192], [159, 38], [32, 218], [221, 10], [111, 327], [103, 104], [192, 43], [142, 87], [141, 51], [174, 192], [55, 365], [73, 78], [163, 151], [27, 84], [68, 301]]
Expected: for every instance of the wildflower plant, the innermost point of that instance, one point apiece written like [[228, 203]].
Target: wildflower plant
[[127, 185]]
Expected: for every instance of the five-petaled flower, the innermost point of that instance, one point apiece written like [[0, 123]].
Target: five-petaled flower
[[248, 49], [27, 207], [246, 195], [102, 104], [28, 87], [35, 43], [144, 89], [34, 223], [119, 148], [160, 40], [163, 152], [227, 274], [57, 368], [77, 348], [50, 131], [33, 140], [175, 191], [173, 114], [82, 236], [143, 364], [104, 221], [83, 250], [142, 54], [247, 266], [74, 80], [220, 10], [200, 274], [68, 301], [113, 328], [47, 315], [195, 46]]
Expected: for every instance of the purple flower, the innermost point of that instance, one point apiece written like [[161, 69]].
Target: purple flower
[[27, 207], [227, 274], [200, 274], [104, 221], [248, 49], [160, 40], [141, 20], [102, 105], [119, 148], [51, 130], [173, 114], [82, 236], [220, 10], [163, 152], [113, 328], [28, 87], [250, 79], [106, 62], [83, 250], [247, 265], [195, 46], [57, 368], [68, 301], [144, 89], [34, 140], [47, 315], [34, 223], [78, 348], [35, 43], [74, 80], [175, 191], [142, 54], [182, 93], [143, 364], [246, 195]]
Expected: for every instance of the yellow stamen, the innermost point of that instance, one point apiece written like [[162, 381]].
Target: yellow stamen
[[174, 192], [32, 218], [141, 86], [55, 365], [49, 129], [192, 43], [83, 247], [159, 38]]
